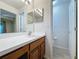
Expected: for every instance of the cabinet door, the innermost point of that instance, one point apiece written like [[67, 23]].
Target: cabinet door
[[42, 50], [35, 54], [18, 54]]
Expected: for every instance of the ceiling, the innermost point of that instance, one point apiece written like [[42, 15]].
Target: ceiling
[[15, 3], [19, 4], [57, 2], [62, 0]]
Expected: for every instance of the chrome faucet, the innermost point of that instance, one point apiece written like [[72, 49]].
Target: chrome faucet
[[30, 32]]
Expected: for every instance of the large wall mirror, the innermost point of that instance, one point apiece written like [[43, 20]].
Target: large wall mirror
[[14, 16], [19, 16], [7, 21]]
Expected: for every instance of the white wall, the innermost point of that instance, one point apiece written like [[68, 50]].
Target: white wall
[[72, 26], [10, 9], [45, 26], [61, 25]]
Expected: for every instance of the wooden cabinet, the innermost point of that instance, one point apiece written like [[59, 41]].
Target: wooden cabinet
[[42, 50], [34, 50], [20, 53], [35, 54], [37, 49]]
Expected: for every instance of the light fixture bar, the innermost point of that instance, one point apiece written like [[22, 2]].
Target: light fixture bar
[[27, 1]]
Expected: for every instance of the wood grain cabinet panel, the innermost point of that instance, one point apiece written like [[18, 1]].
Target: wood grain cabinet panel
[[18, 53], [37, 43], [39, 46], [34, 45], [35, 54], [42, 50]]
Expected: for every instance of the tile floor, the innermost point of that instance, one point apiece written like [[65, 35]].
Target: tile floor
[[60, 53]]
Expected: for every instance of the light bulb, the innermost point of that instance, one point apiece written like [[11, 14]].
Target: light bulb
[[26, 2], [23, 0], [30, 1]]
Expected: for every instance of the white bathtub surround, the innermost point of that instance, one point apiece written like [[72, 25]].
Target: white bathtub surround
[[12, 43]]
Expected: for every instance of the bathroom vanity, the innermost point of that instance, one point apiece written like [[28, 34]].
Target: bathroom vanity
[[30, 48], [15, 23]]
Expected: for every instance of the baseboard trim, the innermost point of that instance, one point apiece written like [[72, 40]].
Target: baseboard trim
[[46, 57], [61, 47], [71, 56]]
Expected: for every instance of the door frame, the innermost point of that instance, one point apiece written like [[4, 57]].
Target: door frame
[[76, 27]]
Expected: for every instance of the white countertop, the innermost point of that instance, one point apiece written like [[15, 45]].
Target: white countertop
[[12, 43]]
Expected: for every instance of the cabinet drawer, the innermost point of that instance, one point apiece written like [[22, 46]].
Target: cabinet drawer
[[37, 43], [16, 54]]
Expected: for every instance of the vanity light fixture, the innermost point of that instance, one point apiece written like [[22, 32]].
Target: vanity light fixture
[[27, 1], [30, 1], [23, 0]]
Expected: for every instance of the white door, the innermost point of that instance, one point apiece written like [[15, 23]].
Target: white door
[[72, 29]]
